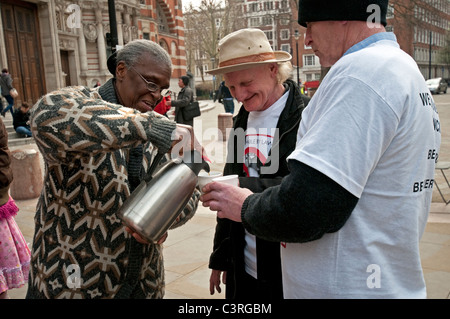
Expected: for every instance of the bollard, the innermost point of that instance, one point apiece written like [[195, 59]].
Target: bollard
[[27, 176], [225, 120]]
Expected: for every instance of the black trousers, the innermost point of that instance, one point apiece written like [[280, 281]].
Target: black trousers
[[247, 287]]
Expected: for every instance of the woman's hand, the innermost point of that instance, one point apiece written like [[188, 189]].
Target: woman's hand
[[142, 240]]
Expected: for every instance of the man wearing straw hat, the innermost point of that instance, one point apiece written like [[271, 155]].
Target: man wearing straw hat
[[264, 135], [355, 204]]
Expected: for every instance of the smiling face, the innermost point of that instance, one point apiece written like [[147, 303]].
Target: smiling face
[[132, 89], [256, 88]]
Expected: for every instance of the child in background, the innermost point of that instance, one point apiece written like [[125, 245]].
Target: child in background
[[14, 252]]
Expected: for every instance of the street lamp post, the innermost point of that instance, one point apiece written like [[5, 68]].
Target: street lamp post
[[112, 35], [213, 78], [297, 36], [429, 61]]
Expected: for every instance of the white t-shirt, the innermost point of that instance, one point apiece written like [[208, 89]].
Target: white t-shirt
[[261, 129], [371, 127]]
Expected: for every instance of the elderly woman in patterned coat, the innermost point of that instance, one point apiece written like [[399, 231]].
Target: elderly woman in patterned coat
[[97, 145]]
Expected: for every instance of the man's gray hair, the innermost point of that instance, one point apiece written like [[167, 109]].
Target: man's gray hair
[[132, 52], [284, 71]]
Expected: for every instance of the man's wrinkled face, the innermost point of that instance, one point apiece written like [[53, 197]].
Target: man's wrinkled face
[[253, 87]]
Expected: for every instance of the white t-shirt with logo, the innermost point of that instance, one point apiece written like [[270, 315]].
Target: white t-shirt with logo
[[261, 129], [371, 127]]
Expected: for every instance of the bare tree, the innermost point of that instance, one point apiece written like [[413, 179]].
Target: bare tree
[[424, 15], [206, 25]]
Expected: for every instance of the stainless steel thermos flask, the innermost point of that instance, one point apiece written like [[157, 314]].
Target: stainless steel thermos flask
[[155, 204]]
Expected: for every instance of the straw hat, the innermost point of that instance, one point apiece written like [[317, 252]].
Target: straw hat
[[244, 49]]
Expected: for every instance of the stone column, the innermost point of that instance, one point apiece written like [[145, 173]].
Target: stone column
[[126, 25], [101, 42], [135, 28], [82, 52], [119, 27]]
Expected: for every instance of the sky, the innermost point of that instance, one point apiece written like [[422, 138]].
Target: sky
[[196, 3]]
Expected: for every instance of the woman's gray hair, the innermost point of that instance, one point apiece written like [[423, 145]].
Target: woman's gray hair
[[284, 71], [132, 52]]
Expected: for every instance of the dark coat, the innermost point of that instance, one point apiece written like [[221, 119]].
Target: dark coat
[[6, 84], [229, 241], [21, 119], [185, 97]]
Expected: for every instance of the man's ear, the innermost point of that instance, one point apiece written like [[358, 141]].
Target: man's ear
[[273, 69], [121, 70]]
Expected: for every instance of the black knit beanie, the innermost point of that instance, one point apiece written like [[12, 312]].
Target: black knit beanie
[[341, 10]]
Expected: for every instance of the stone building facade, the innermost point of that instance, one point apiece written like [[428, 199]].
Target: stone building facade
[[49, 44]]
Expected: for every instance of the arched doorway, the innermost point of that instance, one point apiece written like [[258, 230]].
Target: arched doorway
[[23, 52]]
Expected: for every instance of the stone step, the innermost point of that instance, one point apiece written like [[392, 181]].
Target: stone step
[[15, 139]]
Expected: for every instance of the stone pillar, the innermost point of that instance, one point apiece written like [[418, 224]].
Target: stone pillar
[[101, 42], [119, 28], [135, 28], [126, 25], [28, 181], [225, 121], [82, 52]]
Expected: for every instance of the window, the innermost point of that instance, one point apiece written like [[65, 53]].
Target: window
[[390, 12], [284, 21], [309, 60], [253, 7], [284, 34], [267, 20], [268, 5], [286, 48], [254, 22]]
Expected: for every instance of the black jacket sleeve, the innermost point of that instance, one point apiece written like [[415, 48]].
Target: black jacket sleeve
[[306, 205], [258, 185]]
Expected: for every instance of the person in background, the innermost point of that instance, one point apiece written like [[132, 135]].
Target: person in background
[[354, 206], [14, 252], [270, 115], [21, 120], [185, 96], [6, 87], [97, 146], [224, 96]]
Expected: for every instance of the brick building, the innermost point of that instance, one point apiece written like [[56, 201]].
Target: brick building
[[421, 27], [48, 44]]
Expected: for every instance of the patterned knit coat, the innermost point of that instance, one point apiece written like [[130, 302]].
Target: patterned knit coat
[[80, 247]]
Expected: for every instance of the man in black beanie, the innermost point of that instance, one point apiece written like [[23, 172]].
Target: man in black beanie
[[352, 10], [353, 209]]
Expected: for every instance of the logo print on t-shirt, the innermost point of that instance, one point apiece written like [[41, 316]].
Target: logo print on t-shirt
[[257, 147]]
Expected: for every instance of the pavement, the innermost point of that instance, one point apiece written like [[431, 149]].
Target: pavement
[[187, 249]]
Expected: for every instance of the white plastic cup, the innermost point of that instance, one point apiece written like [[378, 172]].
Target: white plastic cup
[[205, 178], [228, 179]]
